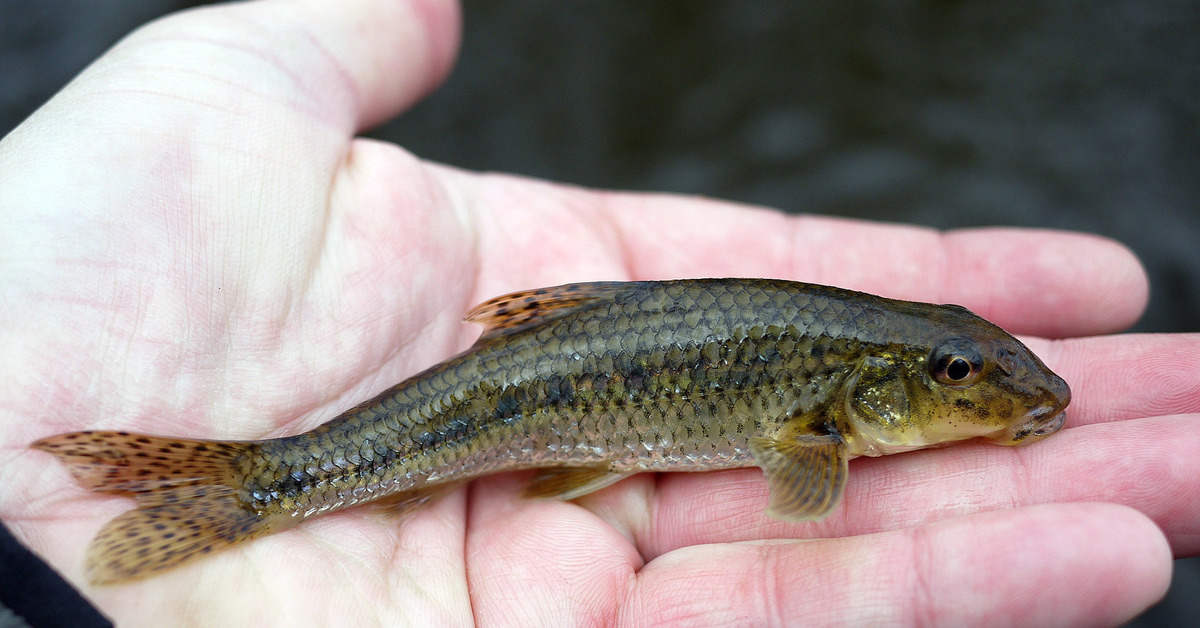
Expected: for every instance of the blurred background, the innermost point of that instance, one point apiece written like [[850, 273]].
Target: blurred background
[[1081, 115]]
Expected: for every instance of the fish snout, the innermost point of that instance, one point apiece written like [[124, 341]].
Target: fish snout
[[1043, 420]]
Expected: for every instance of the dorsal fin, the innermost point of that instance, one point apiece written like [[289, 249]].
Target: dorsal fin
[[505, 314]]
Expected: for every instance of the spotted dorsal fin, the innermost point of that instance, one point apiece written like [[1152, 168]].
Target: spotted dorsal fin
[[506, 314]]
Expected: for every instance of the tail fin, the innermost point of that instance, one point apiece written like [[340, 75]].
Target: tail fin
[[187, 493]]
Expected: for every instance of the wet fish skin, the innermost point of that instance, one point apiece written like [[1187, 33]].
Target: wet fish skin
[[592, 383]]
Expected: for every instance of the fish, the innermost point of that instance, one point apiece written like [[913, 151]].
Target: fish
[[590, 383]]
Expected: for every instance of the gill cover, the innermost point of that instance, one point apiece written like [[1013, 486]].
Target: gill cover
[[878, 405]]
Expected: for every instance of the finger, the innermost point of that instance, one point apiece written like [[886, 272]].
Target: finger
[[1037, 282], [569, 564], [1045, 566], [1149, 465], [266, 65], [383, 55], [1115, 378], [349, 64]]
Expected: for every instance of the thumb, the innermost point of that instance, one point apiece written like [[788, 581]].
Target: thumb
[[358, 61], [384, 55], [345, 65]]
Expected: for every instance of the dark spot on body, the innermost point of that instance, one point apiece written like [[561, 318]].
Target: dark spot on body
[[560, 391], [508, 405], [456, 428], [425, 439], [739, 378]]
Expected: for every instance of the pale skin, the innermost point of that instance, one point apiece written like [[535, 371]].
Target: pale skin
[[195, 244]]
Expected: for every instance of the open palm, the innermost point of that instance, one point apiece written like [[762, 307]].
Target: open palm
[[194, 245]]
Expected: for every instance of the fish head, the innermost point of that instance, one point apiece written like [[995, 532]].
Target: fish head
[[971, 381]]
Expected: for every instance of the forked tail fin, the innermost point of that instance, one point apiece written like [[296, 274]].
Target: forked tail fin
[[187, 493]]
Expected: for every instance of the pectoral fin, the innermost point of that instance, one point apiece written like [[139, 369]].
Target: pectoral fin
[[572, 482], [805, 474]]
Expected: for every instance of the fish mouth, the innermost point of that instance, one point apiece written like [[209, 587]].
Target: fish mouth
[[1041, 422]]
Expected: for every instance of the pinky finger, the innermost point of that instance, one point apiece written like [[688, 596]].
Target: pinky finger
[[1053, 565]]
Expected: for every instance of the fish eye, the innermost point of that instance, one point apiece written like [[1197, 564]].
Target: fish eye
[[956, 362]]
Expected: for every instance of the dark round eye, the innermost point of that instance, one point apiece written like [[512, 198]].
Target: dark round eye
[[957, 369], [956, 362]]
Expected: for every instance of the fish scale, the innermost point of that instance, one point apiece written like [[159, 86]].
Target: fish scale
[[456, 409], [591, 383]]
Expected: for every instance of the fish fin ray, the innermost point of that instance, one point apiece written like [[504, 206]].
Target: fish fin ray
[[806, 474], [571, 482], [187, 493], [159, 537], [400, 505], [518, 310], [122, 462]]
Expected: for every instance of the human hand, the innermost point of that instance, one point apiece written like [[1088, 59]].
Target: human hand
[[196, 246]]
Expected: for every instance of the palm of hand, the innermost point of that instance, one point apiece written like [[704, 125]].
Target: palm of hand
[[249, 270]]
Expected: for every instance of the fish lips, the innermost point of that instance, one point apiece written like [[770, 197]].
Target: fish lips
[[1039, 423]]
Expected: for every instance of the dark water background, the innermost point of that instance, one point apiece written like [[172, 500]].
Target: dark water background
[[1081, 115]]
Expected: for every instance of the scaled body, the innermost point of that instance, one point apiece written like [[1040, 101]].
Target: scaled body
[[591, 383]]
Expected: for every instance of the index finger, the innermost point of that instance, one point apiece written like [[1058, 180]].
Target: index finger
[[1029, 281]]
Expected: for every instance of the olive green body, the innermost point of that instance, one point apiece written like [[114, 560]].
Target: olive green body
[[591, 383], [639, 376]]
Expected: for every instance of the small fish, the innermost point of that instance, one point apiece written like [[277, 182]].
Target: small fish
[[591, 383]]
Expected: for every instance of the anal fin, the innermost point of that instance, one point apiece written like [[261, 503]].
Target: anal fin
[[572, 482], [806, 474], [404, 503]]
